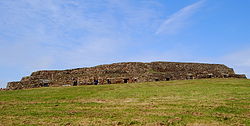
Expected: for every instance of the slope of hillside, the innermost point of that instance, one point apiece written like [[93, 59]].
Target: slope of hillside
[[188, 102]]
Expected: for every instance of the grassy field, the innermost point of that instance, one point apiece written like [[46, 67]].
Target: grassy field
[[189, 102]]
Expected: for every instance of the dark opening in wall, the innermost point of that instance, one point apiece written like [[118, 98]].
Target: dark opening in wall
[[108, 81], [210, 76], [135, 80], [190, 77], [96, 82], [75, 83], [125, 80], [167, 79], [45, 85], [156, 79]]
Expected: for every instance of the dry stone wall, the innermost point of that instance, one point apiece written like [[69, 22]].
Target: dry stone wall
[[130, 72]]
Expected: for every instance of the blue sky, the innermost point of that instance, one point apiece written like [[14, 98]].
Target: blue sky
[[62, 34]]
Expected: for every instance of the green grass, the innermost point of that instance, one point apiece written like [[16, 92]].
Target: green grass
[[190, 102]]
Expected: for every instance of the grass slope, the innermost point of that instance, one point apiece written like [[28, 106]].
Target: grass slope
[[190, 102]]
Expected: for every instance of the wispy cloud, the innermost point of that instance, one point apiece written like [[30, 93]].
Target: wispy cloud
[[45, 34], [178, 20]]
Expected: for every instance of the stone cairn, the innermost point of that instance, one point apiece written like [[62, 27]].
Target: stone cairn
[[130, 72]]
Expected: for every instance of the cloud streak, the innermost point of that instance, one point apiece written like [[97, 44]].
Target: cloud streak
[[178, 20], [45, 34]]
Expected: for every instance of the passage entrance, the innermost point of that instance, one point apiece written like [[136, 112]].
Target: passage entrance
[[125, 80], [108, 81], [75, 83]]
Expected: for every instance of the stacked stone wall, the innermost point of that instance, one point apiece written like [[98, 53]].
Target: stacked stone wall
[[130, 72]]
